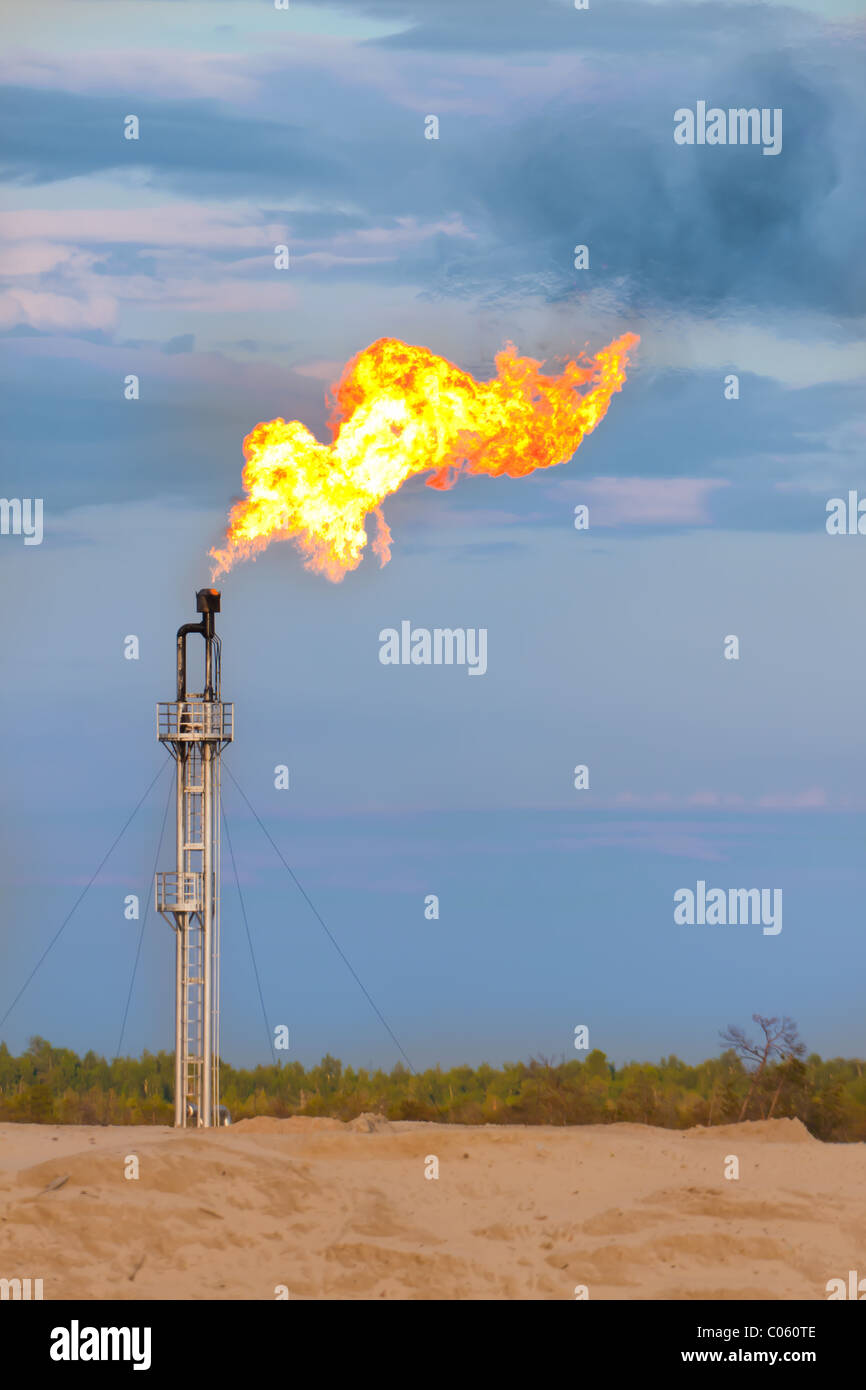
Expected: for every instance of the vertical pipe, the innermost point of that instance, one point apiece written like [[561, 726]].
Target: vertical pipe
[[179, 1107], [206, 1117], [180, 929], [217, 825]]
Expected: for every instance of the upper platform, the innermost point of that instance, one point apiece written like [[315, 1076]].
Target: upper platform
[[194, 721]]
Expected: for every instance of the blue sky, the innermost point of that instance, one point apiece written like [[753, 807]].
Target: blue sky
[[155, 257]]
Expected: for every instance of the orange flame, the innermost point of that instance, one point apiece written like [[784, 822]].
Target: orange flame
[[399, 411]]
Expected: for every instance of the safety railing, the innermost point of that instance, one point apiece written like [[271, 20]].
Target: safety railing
[[194, 720], [179, 892]]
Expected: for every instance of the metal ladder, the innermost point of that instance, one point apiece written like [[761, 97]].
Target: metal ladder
[[194, 964]]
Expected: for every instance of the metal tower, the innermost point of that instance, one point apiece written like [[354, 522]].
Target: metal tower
[[195, 728]]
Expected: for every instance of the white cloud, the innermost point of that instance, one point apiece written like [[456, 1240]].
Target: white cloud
[[642, 501], [38, 257], [45, 310], [798, 352], [169, 224], [146, 72]]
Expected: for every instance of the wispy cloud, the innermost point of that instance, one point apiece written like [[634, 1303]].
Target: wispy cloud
[[171, 224], [44, 309], [641, 501], [126, 71]]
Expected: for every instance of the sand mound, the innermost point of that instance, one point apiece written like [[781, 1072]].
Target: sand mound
[[767, 1131], [369, 1123], [293, 1124]]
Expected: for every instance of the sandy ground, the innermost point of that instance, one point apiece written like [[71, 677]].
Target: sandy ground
[[336, 1211]]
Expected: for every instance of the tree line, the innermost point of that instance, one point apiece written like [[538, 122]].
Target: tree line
[[749, 1080]]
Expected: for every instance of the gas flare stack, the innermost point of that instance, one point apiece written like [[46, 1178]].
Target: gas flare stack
[[196, 728]]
